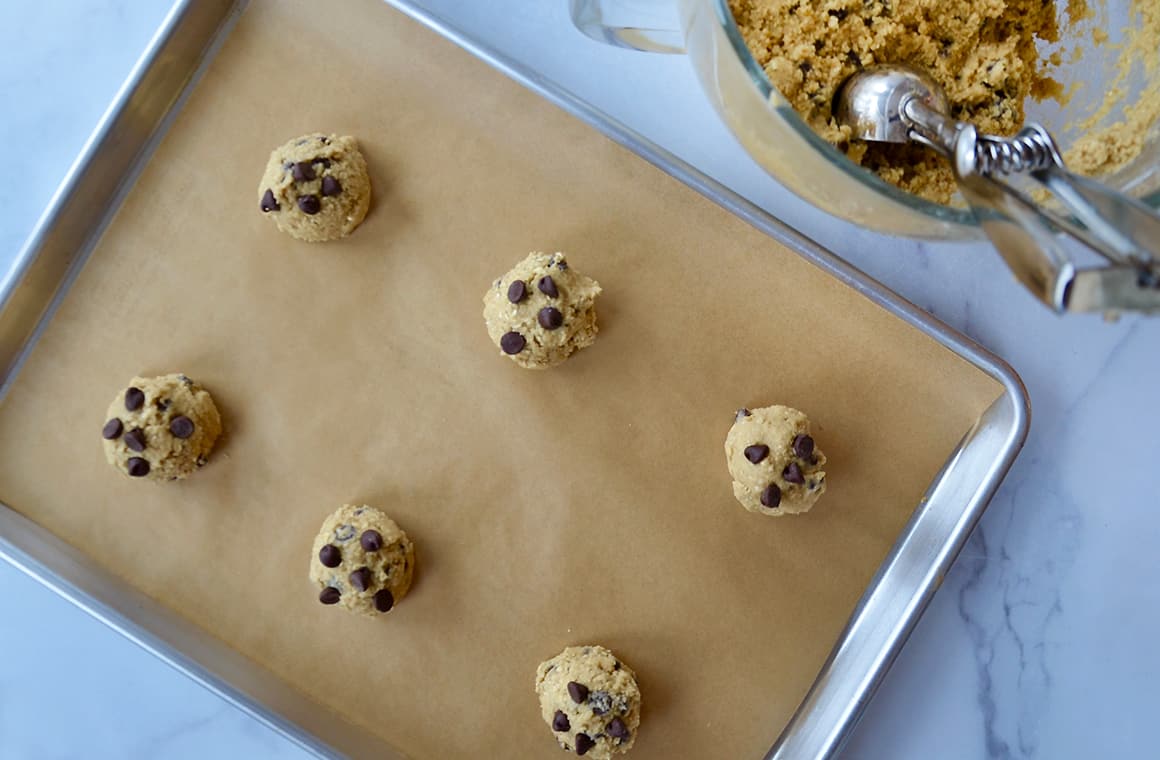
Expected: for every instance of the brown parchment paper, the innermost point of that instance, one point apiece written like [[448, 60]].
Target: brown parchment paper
[[589, 503]]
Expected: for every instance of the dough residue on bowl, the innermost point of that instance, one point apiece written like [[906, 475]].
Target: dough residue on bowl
[[1105, 147]]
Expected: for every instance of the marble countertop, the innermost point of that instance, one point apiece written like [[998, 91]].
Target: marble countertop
[[1039, 643]]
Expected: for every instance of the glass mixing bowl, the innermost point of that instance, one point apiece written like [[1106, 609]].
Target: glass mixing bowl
[[773, 134]]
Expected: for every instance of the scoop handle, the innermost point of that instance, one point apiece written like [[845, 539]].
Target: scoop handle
[[930, 127], [1024, 237], [1129, 229], [1119, 228], [1028, 237]]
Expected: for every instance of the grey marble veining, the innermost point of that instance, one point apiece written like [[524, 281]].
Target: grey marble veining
[[1040, 643]]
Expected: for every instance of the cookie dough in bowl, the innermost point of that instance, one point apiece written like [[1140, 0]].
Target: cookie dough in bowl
[[362, 561], [985, 54], [161, 428], [316, 187], [775, 463], [542, 311], [590, 700]]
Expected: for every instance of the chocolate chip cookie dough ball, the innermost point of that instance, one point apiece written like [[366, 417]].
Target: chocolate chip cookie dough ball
[[542, 311], [776, 467], [362, 561], [590, 700], [316, 187], [161, 428]]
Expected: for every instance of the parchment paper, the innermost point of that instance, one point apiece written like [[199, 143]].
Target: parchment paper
[[589, 503]]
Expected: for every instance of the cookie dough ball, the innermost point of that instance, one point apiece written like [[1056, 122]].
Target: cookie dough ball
[[590, 700], [776, 467], [161, 428], [541, 311], [316, 187], [362, 560]]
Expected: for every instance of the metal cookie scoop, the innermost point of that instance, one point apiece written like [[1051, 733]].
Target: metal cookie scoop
[[899, 104]]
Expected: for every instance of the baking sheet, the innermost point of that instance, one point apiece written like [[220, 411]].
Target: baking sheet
[[588, 503]]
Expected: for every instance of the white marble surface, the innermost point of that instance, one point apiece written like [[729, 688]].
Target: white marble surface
[[1040, 644]]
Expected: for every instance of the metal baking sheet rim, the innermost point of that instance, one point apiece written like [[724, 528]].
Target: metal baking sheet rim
[[69, 228]]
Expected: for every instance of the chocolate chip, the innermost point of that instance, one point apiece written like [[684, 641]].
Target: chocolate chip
[[517, 291], [771, 496], [757, 452], [344, 532], [578, 692], [269, 202], [309, 204], [181, 426], [616, 729], [112, 429], [550, 318], [616, 665], [384, 601], [135, 439], [600, 702], [134, 399], [371, 540], [330, 556], [584, 743], [138, 467], [547, 286], [793, 474], [330, 595], [562, 265], [803, 446], [742, 413], [330, 186], [560, 722], [303, 172], [361, 579], [512, 343]]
